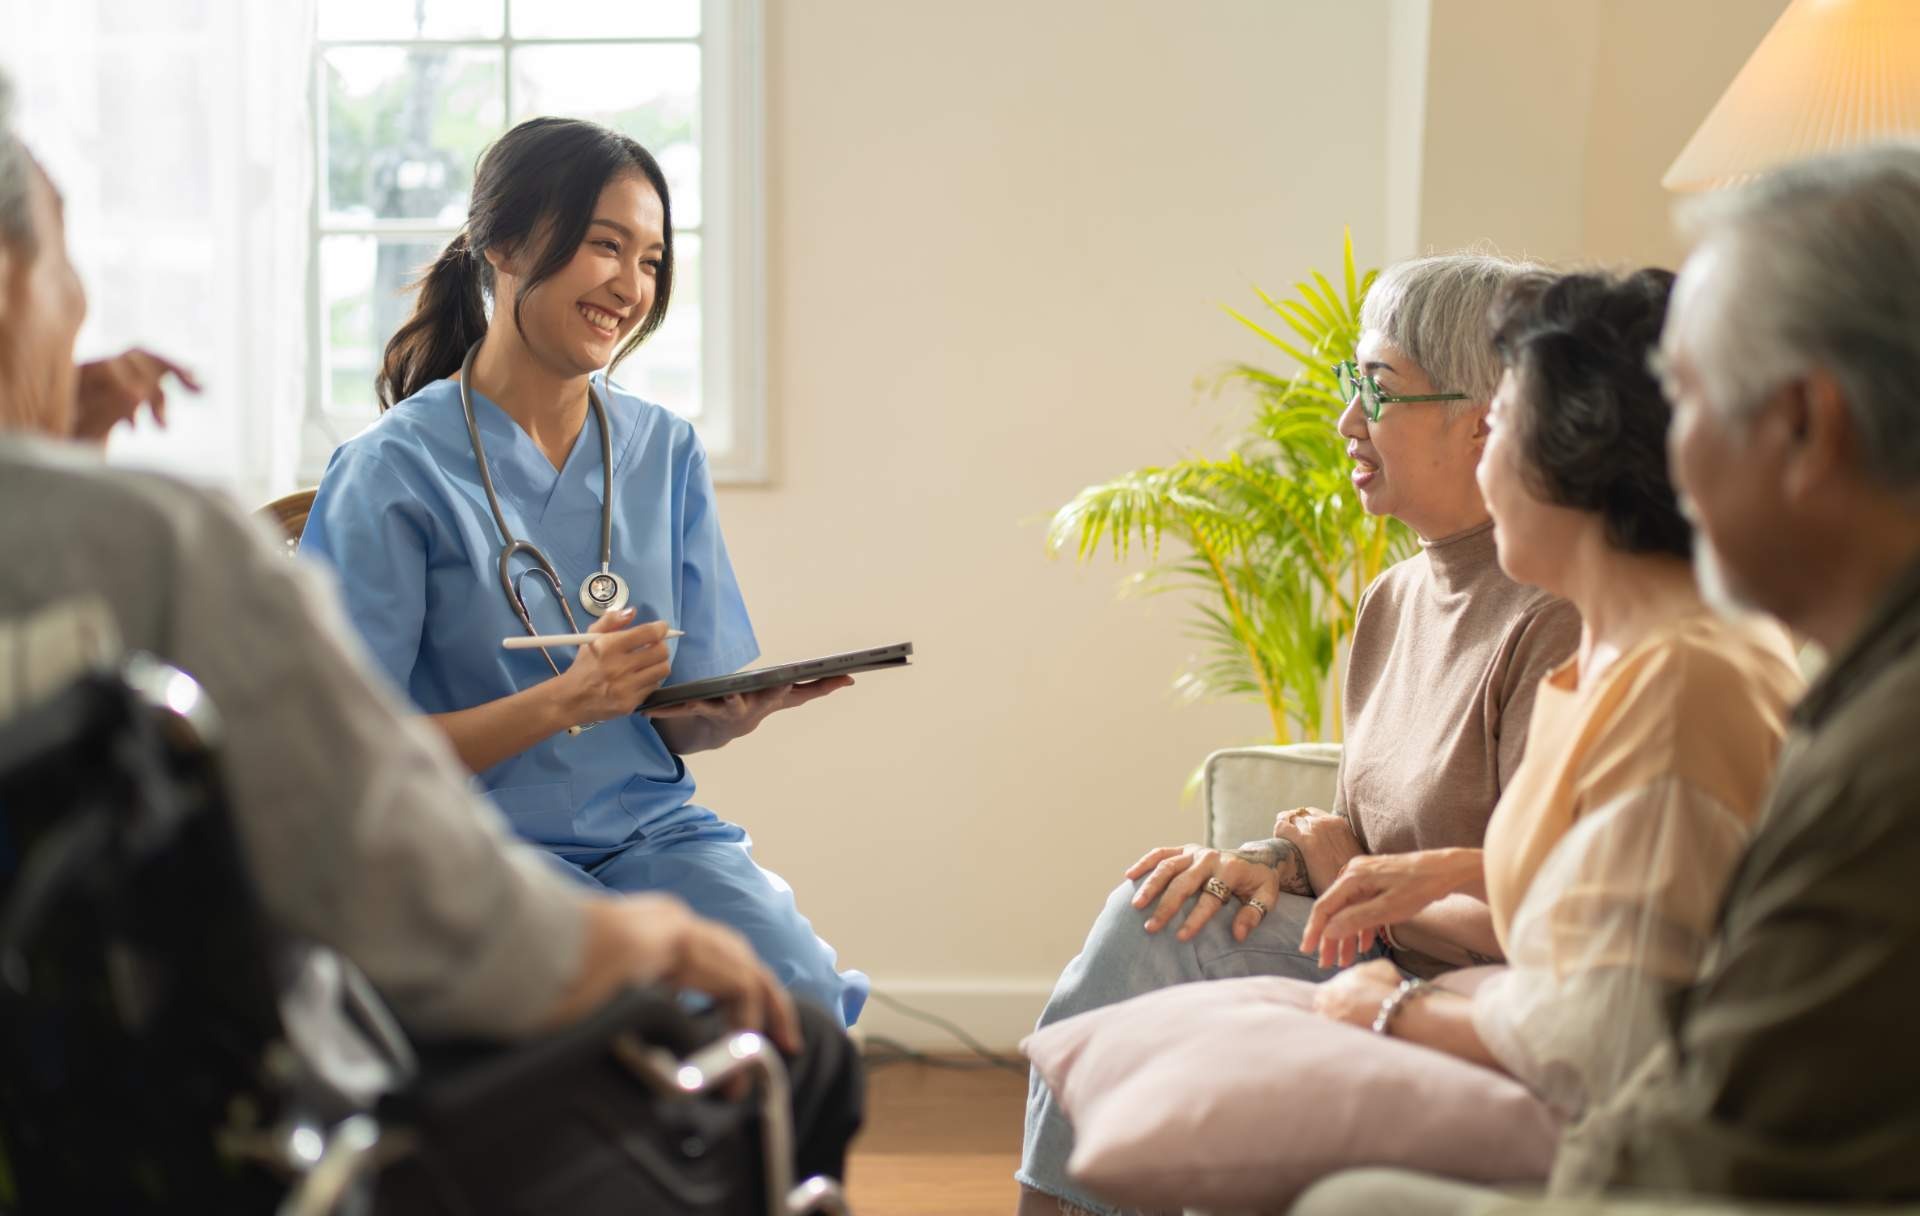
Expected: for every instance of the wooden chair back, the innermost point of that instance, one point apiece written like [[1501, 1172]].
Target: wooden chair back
[[289, 512]]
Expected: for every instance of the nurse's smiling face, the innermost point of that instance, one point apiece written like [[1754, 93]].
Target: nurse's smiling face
[[574, 321]]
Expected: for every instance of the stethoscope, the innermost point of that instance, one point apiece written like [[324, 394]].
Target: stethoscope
[[600, 592]]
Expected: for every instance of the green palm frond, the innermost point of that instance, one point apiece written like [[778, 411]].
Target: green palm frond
[[1270, 539]]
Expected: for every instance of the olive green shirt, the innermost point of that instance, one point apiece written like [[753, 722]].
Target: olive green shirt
[[1791, 1068]]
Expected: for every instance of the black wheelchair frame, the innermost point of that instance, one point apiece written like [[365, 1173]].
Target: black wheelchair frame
[[144, 1061]]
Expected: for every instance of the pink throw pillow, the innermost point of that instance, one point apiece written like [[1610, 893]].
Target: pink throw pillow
[[1235, 1094]]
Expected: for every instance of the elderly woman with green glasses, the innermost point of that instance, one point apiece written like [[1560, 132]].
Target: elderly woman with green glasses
[[1446, 653]]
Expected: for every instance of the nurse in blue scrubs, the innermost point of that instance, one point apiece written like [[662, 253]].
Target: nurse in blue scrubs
[[510, 488]]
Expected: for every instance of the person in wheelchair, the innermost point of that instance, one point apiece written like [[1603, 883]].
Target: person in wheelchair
[[356, 821]]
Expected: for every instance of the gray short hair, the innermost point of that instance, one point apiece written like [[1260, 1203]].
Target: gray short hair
[[1823, 261], [1436, 310], [16, 175]]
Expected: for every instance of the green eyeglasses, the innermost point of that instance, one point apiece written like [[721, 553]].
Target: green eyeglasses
[[1353, 382]]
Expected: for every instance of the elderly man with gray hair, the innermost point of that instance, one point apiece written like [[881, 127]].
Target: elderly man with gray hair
[[1792, 357], [1446, 654]]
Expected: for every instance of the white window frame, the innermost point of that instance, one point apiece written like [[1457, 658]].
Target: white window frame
[[732, 229]]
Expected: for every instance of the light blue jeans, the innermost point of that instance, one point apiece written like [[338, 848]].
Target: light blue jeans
[[1120, 960]]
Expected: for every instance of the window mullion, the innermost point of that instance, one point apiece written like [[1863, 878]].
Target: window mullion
[[506, 72]]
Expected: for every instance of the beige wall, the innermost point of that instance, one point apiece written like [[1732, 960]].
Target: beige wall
[[1549, 124], [1662, 65], [1000, 234], [999, 237], [1509, 101]]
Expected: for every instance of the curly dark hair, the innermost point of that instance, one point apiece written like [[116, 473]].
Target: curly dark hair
[[1590, 416]]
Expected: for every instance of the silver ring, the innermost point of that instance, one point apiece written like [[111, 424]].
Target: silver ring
[[1218, 890], [1257, 905]]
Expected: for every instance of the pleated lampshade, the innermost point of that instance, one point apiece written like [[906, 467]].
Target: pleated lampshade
[[1829, 74]]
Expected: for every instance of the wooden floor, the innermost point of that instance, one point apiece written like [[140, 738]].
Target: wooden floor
[[938, 1142]]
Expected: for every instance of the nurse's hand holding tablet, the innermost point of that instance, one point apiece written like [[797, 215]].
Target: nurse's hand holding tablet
[[698, 726], [626, 663]]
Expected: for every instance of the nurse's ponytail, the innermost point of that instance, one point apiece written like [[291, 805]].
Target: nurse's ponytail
[[449, 316], [534, 190]]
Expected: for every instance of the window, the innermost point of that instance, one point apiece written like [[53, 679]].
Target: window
[[406, 95], [165, 124]]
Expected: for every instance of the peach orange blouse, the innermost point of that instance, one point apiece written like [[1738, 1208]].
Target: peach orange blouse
[[1609, 851]]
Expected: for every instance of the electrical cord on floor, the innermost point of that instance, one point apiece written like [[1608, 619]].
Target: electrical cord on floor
[[881, 1051], [895, 1052]]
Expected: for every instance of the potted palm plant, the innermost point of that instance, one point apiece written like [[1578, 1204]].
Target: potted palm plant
[[1270, 539]]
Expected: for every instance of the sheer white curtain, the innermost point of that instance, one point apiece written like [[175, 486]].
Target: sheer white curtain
[[179, 133]]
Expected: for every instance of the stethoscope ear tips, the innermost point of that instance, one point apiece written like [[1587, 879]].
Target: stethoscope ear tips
[[603, 592]]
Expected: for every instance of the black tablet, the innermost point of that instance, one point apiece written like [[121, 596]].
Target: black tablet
[[850, 663]]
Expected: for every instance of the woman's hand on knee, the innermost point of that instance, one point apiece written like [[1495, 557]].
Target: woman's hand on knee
[[1159, 867], [1175, 875]]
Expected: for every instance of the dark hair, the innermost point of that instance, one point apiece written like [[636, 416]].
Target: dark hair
[[1592, 421], [540, 180]]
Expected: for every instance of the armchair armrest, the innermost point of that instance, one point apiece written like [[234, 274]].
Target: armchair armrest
[[1244, 787]]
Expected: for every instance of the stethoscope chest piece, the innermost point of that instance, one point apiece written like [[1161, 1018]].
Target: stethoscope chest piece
[[602, 592]]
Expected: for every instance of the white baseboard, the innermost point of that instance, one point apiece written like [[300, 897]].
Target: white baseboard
[[998, 1012]]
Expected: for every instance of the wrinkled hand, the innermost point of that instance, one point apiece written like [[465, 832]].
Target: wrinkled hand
[[728, 718], [671, 945], [1354, 996], [111, 391], [1373, 893], [1325, 840], [612, 674], [1175, 875]]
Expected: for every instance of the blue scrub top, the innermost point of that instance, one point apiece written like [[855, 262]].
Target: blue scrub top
[[404, 523]]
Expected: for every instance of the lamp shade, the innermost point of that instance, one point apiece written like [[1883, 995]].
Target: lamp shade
[[1829, 74]]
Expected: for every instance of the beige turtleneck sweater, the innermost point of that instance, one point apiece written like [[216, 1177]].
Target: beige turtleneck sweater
[[1447, 652]]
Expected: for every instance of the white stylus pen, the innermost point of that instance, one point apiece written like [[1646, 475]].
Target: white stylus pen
[[564, 639]]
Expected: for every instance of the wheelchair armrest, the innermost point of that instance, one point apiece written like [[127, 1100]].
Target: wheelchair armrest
[[656, 1040], [459, 1083], [457, 1076]]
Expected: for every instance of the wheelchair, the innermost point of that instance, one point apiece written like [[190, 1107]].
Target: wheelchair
[[151, 1059]]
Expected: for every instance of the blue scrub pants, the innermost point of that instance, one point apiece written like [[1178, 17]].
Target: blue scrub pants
[[708, 863]]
